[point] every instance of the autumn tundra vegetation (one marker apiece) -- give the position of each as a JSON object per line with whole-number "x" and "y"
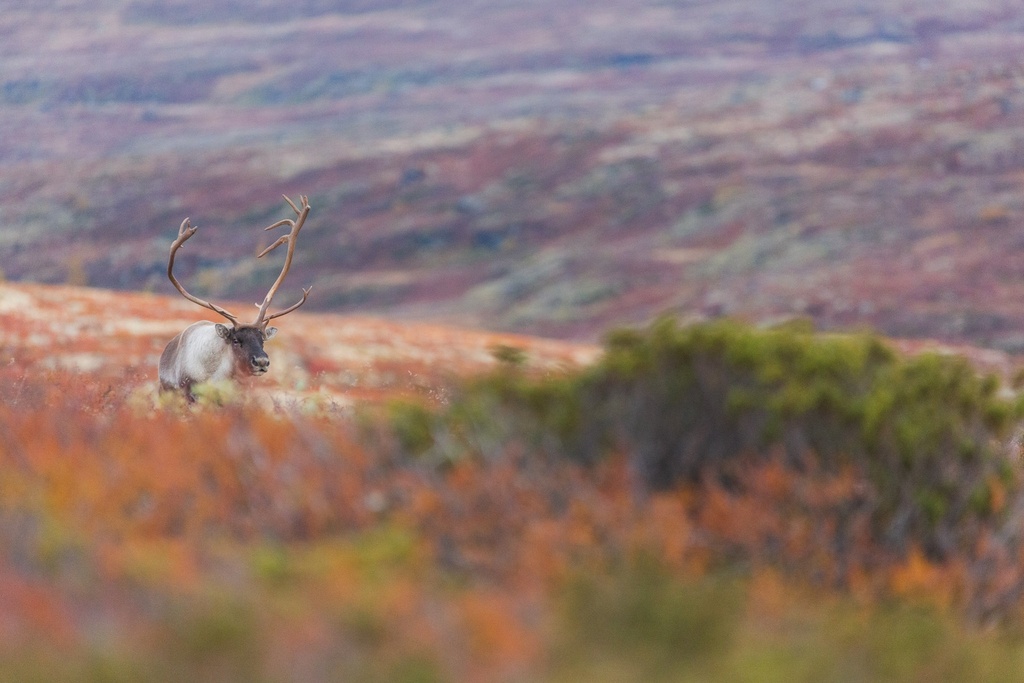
{"x": 689, "y": 502}
{"x": 727, "y": 500}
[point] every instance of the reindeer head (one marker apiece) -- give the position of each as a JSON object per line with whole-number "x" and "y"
{"x": 246, "y": 343}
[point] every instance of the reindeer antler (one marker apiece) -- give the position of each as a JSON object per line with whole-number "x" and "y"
{"x": 186, "y": 231}
{"x": 300, "y": 212}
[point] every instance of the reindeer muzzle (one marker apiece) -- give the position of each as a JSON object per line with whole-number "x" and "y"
{"x": 260, "y": 364}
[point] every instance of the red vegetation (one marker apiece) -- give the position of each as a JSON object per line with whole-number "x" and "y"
{"x": 277, "y": 539}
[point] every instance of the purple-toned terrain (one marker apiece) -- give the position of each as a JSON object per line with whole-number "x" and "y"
{"x": 550, "y": 167}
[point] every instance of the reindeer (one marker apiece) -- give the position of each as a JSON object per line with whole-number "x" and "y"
{"x": 207, "y": 351}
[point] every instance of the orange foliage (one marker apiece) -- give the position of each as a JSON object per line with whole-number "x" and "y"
{"x": 500, "y": 633}
{"x": 29, "y": 609}
{"x": 110, "y": 511}
{"x": 918, "y": 578}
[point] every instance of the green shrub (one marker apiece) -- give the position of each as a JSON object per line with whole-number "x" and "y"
{"x": 412, "y": 424}
{"x": 639, "y": 625}
{"x": 928, "y": 432}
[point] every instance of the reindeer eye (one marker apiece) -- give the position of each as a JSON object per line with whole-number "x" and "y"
{"x": 236, "y": 342}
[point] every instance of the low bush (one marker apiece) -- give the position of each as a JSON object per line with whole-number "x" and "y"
{"x": 928, "y": 433}
{"x": 644, "y": 626}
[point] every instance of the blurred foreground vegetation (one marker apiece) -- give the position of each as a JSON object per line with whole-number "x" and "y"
{"x": 704, "y": 503}
{"x": 930, "y": 439}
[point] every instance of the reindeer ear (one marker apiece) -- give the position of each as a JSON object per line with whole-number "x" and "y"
{"x": 222, "y": 330}
{"x": 269, "y": 332}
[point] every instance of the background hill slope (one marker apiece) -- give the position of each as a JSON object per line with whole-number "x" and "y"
{"x": 533, "y": 166}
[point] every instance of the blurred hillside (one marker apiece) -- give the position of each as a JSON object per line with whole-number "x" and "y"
{"x": 542, "y": 167}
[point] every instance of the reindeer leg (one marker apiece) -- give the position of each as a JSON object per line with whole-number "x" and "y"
{"x": 186, "y": 389}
